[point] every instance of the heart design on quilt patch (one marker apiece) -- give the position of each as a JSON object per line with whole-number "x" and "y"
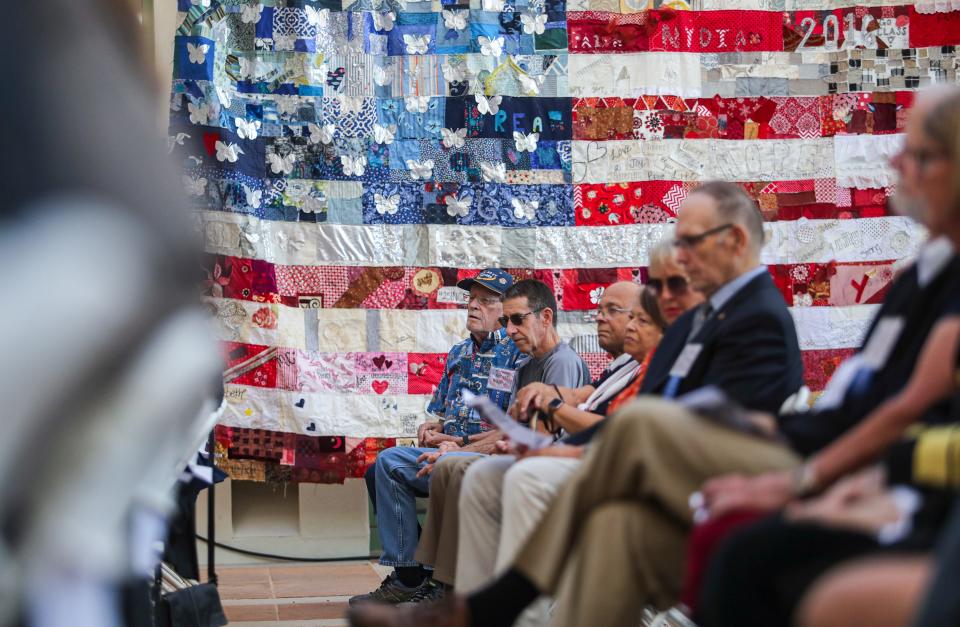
{"x": 379, "y": 386}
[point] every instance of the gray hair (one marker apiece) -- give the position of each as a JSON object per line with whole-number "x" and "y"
{"x": 663, "y": 252}
{"x": 736, "y": 207}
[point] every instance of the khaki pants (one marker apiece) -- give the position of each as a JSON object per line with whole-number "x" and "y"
{"x": 438, "y": 538}
{"x": 502, "y": 502}
{"x": 634, "y": 486}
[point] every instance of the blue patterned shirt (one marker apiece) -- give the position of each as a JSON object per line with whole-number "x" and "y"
{"x": 468, "y": 366}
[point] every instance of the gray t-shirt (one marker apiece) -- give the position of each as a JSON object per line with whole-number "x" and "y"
{"x": 562, "y": 367}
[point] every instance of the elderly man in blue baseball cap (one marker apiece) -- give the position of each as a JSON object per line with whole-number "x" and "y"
{"x": 484, "y": 363}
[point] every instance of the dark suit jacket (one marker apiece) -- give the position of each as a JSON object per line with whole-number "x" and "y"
{"x": 921, "y": 308}
{"x": 750, "y": 350}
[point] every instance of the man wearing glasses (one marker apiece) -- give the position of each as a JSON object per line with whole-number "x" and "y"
{"x": 530, "y": 320}
{"x": 467, "y": 541}
{"x": 620, "y": 522}
{"x": 484, "y": 363}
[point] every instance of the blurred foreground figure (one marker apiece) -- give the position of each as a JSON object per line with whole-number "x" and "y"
{"x": 108, "y": 359}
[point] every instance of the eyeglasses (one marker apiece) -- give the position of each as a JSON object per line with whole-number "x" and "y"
{"x": 516, "y": 319}
{"x": 689, "y": 241}
{"x": 610, "y": 310}
{"x": 676, "y": 284}
{"x": 484, "y": 300}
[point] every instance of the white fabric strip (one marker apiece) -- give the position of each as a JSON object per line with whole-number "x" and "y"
{"x": 820, "y": 328}
{"x": 351, "y": 415}
{"x": 937, "y": 6}
{"x": 863, "y": 161}
{"x": 623, "y": 161}
{"x": 636, "y": 74}
{"x": 436, "y": 330}
{"x": 800, "y": 241}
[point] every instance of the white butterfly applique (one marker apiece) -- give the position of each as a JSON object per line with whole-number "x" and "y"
{"x": 321, "y": 134}
{"x": 199, "y": 113}
{"x": 223, "y": 96}
{"x": 453, "y": 139}
{"x": 490, "y": 47}
{"x": 315, "y": 16}
{"x": 387, "y": 204}
{"x": 248, "y": 68}
{"x": 455, "y": 20}
{"x": 420, "y": 170}
{"x": 525, "y": 210}
{"x": 287, "y": 105}
{"x": 176, "y": 140}
{"x": 351, "y": 104}
{"x": 488, "y": 105}
{"x": 453, "y": 73}
{"x": 525, "y": 143}
{"x": 530, "y": 84}
{"x": 195, "y": 186}
{"x": 534, "y": 24}
{"x": 493, "y": 171}
{"x": 227, "y": 152}
{"x": 353, "y": 166}
{"x": 297, "y": 190}
{"x": 417, "y": 104}
{"x": 416, "y": 44}
{"x": 250, "y": 13}
{"x": 384, "y": 21}
{"x": 312, "y": 204}
{"x": 247, "y": 129}
{"x": 381, "y": 77}
{"x": 384, "y": 134}
{"x": 281, "y": 165}
{"x": 458, "y": 206}
{"x": 254, "y": 196}
{"x": 198, "y": 53}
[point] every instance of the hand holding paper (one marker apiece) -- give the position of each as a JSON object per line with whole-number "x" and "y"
{"x": 517, "y": 433}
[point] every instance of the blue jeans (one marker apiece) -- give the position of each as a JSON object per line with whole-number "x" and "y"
{"x": 398, "y": 487}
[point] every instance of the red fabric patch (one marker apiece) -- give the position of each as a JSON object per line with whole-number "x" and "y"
{"x": 934, "y": 29}
{"x": 631, "y": 203}
{"x": 210, "y": 142}
{"x": 819, "y": 365}
{"x": 675, "y": 31}
{"x": 426, "y": 371}
{"x": 703, "y": 542}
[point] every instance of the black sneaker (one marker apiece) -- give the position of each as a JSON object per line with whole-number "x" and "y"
{"x": 429, "y": 591}
{"x": 391, "y": 591}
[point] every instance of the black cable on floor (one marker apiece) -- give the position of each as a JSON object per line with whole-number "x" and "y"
{"x": 358, "y": 558}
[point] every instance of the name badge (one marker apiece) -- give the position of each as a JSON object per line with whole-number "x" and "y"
{"x": 501, "y": 379}
{"x": 681, "y": 367}
{"x": 881, "y": 342}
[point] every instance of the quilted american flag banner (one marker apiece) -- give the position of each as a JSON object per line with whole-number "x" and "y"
{"x": 351, "y": 160}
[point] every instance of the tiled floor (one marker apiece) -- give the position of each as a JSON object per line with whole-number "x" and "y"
{"x": 293, "y": 595}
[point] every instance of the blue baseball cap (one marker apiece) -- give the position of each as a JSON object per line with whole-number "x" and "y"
{"x": 494, "y": 279}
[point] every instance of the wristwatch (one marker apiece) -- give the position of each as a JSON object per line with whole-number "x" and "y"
{"x": 465, "y": 440}
{"x": 554, "y": 405}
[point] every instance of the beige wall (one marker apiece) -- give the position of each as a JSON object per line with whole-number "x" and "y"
{"x": 160, "y": 23}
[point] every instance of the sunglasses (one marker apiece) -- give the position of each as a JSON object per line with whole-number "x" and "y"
{"x": 516, "y": 319}
{"x": 676, "y": 284}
